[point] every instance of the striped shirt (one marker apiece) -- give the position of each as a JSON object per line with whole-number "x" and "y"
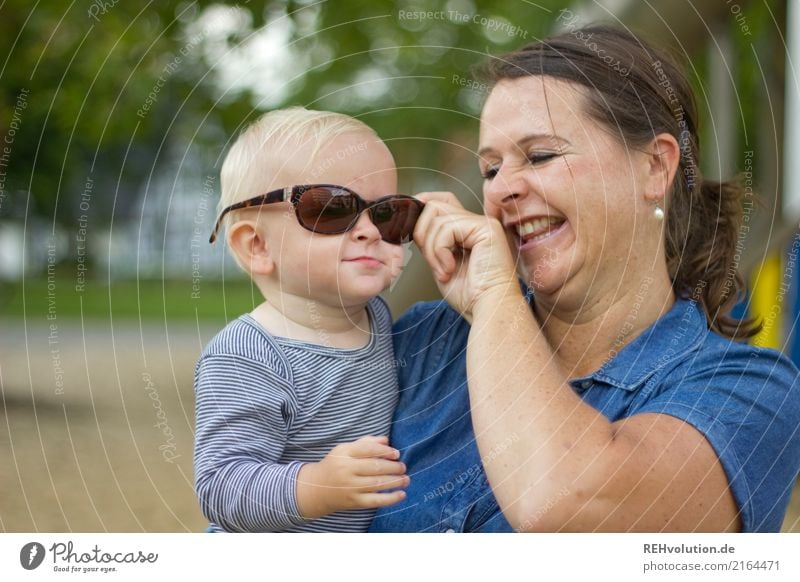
{"x": 266, "y": 405}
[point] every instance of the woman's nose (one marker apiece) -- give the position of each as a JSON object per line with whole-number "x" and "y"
{"x": 505, "y": 189}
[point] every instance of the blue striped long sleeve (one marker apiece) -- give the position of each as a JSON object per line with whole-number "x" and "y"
{"x": 265, "y": 405}
{"x": 243, "y": 414}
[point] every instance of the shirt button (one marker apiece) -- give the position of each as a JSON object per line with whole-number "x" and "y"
{"x": 586, "y": 384}
{"x": 450, "y": 530}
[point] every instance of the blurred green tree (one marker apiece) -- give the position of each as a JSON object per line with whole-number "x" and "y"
{"x": 101, "y": 90}
{"x": 83, "y": 70}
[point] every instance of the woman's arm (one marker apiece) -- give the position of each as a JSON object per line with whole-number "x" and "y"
{"x": 567, "y": 468}
{"x": 570, "y": 469}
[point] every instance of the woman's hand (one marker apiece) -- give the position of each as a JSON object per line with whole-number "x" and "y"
{"x": 468, "y": 253}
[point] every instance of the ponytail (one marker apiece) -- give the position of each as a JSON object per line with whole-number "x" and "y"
{"x": 704, "y": 243}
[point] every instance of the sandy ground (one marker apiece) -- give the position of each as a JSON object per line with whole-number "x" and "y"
{"x": 96, "y": 428}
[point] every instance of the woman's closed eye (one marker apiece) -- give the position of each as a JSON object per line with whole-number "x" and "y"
{"x": 533, "y": 159}
{"x": 541, "y": 157}
{"x": 490, "y": 171}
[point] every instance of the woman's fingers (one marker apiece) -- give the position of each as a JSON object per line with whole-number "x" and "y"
{"x": 446, "y": 197}
{"x": 467, "y": 252}
{"x": 423, "y": 226}
{"x": 434, "y": 238}
{"x": 450, "y": 238}
{"x": 443, "y": 245}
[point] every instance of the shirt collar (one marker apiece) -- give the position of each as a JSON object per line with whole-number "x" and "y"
{"x": 669, "y": 338}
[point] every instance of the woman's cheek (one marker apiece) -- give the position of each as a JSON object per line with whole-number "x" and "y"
{"x": 490, "y": 209}
{"x": 551, "y": 269}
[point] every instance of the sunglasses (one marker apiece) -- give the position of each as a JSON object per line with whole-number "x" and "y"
{"x": 329, "y": 209}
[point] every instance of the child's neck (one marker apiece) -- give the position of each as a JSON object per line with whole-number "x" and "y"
{"x": 303, "y": 319}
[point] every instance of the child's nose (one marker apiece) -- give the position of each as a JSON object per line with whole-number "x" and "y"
{"x": 365, "y": 229}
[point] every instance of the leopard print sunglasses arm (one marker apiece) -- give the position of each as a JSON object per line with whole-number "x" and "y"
{"x": 269, "y": 198}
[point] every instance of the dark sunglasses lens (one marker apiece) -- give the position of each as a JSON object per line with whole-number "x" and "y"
{"x": 396, "y": 219}
{"x": 326, "y": 210}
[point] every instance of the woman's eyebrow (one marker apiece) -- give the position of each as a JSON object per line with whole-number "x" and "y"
{"x": 526, "y": 140}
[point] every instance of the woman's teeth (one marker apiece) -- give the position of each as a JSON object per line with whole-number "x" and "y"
{"x": 536, "y": 225}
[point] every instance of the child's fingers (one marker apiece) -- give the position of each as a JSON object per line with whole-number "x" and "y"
{"x": 367, "y": 447}
{"x": 380, "y": 499}
{"x": 388, "y": 452}
{"x": 382, "y": 483}
{"x": 376, "y": 466}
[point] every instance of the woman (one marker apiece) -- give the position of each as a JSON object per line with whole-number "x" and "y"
{"x": 608, "y": 391}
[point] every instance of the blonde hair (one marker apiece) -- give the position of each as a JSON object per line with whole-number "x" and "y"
{"x": 250, "y": 160}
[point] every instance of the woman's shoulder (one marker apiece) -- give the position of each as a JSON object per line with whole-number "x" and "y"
{"x": 717, "y": 352}
{"x": 681, "y": 350}
{"x": 745, "y": 400}
{"x": 734, "y": 378}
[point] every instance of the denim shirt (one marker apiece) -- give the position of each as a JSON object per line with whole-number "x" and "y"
{"x": 744, "y": 399}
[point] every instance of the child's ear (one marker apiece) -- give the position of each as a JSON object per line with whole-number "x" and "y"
{"x": 251, "y": 246}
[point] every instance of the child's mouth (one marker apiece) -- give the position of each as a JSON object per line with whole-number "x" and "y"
{"x": 365, "y": 261}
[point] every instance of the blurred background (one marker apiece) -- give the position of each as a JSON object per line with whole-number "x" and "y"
{"x": 114, "y": 119}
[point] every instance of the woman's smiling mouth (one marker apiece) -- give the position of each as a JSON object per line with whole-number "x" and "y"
{"x": 533, "y": 231}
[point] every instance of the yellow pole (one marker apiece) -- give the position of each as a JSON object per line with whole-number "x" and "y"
{"x": 767, "y": 301}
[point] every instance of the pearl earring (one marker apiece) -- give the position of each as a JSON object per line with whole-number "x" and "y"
{"x": 658, "y": 212}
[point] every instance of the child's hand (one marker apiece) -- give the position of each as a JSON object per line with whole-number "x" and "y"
{"x": 350, "y": 477}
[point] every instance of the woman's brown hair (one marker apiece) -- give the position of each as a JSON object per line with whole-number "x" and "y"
{"x": 638, "y": 91}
